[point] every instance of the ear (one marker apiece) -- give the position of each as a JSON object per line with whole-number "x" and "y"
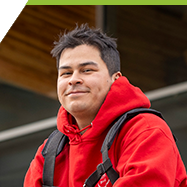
{"x": 116, "y": 75}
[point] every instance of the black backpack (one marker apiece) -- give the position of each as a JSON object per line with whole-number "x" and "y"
{"x": 57, "y": 141}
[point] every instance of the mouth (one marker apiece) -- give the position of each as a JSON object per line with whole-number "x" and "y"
{"x": 76, "y": 93}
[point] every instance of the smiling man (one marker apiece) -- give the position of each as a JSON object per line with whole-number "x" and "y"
{"x": 93, "y": 95}
{"x": 83, "y": 82}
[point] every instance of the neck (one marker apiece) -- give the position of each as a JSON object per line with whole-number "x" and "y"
{"x": 83, "y": 122}
{"x": 84, "y": 119}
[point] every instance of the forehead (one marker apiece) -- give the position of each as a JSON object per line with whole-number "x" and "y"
{"x": 79, "y": 54}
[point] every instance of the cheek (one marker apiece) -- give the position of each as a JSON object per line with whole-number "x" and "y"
{"x": 101, "y": 87}
{"x": 61, "y": 87}
{"x": 102, "y": 79}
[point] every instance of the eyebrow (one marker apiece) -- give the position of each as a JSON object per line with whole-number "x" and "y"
{"x": 80, "y": 65}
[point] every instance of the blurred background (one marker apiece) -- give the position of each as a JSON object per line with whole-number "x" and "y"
{"x": 152, "y": 41}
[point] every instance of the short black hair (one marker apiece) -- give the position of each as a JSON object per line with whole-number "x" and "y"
{"x": 92, "y": 37}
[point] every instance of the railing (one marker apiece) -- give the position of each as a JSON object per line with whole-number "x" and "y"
{"x": 51, "y": 122}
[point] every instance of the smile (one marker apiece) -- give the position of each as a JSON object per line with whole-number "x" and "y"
{"x": 76, "y": 93}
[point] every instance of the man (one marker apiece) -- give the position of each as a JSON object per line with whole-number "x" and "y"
{"x": 93, "y": 94}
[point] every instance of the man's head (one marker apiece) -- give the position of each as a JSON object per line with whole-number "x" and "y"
{"x": 92, "y": 37}
{"x": 83, "y": 77}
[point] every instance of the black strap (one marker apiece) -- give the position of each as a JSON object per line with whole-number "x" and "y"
{"x": 57, "y": 140}
{"x": 50, "y": 151}
{"x": 106, "y": 166}
{"x": 127, "y": 116}
{"x": 102, "y": 168}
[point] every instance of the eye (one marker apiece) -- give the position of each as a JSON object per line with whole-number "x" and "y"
{"x": 87, "y": 70}
{"x": 65, "y": 73}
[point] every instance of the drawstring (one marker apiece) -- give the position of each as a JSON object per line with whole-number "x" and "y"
{"x": 85, "y": 128}
{"x": 74, "y": 133}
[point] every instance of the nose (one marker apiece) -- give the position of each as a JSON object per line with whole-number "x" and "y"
{"x": 75, "y": 79}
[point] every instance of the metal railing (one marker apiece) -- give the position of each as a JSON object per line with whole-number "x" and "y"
{"x": 51, "y": 122}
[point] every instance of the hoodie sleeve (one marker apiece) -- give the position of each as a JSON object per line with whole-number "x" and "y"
{"x": 149, "y": 156}
{"x": 33, "y": 177}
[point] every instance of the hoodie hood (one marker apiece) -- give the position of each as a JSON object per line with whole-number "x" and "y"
{"x": 121, "y": 98}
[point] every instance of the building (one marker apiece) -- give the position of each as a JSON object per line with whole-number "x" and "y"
{"x": 152, "y": 42}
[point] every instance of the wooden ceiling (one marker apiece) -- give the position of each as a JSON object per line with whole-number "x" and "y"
{"x": 149, "y": 38}
{"x": 25, "y": 59}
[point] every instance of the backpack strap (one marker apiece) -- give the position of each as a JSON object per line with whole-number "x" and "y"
{"x": 52, "y": 148}
{"x": 106, "y": 166}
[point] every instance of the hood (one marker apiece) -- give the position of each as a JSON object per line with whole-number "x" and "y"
{"x": 121, "y": 98}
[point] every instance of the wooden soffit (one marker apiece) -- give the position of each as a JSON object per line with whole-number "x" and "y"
{"x": 25, "y": 59}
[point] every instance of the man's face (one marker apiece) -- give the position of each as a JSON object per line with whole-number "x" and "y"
{"x": 83, "y": 80}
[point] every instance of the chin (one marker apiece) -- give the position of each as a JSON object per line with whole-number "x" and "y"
{"x": 78, "y": 108}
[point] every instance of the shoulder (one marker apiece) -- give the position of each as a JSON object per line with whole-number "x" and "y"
{"x": 145, "y": 127}
{"x": 35, "y": 171}
{"x": 38, "y": 160}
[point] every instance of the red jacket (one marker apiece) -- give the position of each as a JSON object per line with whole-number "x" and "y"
{"x": 144, "y": 153}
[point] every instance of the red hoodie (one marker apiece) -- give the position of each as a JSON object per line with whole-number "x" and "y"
{"x": 144, "y": 153}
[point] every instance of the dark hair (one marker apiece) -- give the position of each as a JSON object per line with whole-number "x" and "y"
{"x": 94, "y": 37}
